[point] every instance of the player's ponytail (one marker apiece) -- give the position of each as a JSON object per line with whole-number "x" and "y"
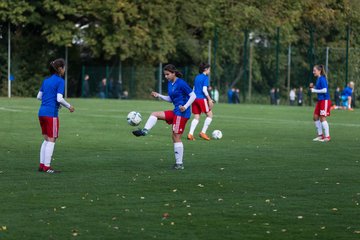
{"x": 171, "y": 68}
{"x": 321, "y": 68}
{"x": 55, "y": 65}
{"x": 203, "y": 67}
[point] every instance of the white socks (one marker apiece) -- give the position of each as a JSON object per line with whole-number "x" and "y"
{"x": 49, "y": 149}
{"x": 150, "y": 122}
{"x": 179, "y": 152}
{"x": 206, "y": 124}
{"x": 194, "y": 123}
{"x": 325, "y": 125}
{"x": 42, "y": 152}
{"x": 322, "y": 125}
{"x": 318, "y": 127}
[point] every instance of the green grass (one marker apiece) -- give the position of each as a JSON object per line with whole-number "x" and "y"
{"x": 265, "y": 179}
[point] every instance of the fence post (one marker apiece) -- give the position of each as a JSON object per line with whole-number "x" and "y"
{"x": 250, "y": 68}
{"x": 289, "y": 70}
{"x": 327, "y": 60}
{"x": 209, "y": 60}
{"x": 311, "y": 61}
{"x": 277, "y": 55}
{"x": 82, "y": 80}
{"x": 9, "y": 60}
{"x": 160, "y": 79}
{"x": 246, "y": 38}
{"x": 107, "y": 81}
{"x": 347, "y": 52}
{"x": 215, "y": 49}
{"x": 66, "y": 71}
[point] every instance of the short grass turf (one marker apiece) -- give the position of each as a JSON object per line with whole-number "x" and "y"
{"x": 265, "y": 179}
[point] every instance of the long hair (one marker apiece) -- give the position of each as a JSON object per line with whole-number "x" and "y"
{"x": 171, "y": 68}
{"x": 55, "y": 65}
{"x": 203, "y": 67}
{"x": 321, "y": 68}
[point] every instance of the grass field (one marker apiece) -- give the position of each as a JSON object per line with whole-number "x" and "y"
{"x": 265, "y": 179}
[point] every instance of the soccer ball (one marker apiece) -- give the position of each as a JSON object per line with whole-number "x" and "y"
{"x": 216, "y": 134}
{"x": 134, "y": 118}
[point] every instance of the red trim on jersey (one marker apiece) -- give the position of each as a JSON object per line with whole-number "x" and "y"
{"x": 49, "y": 126}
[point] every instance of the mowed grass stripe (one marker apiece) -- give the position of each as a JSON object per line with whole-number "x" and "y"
{"x": 265, "y": 179}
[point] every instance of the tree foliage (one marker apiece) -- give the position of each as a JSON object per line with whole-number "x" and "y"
{"x": 148, "y": 32}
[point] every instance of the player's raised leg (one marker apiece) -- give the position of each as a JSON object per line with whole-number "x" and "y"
{"x": 150, "y": 123}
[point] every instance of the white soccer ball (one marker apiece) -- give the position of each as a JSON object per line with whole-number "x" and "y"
{"x": 216, "y": 134}
{"x": 134, "y": 118}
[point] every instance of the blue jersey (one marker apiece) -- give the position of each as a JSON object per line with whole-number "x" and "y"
{"x": 320, "y": 84}
{"x": 201, "y": 80}
{"x": 347, "y": 92}
{"x": 50, "y": 88}
{"x": 179, "y": 93}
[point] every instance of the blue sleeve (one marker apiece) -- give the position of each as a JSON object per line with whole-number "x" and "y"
{"x": 41, "y": 88}
{"x": 61, "y": 88}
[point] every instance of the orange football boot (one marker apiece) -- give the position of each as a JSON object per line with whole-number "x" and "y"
{"x": 190, "y": 137}
{"x": 204, "y": 136}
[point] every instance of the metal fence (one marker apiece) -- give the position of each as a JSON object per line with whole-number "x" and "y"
{"x": 131, "y": 81}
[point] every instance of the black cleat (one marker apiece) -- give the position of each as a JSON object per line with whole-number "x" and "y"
{"x": 52, "y": 171}
{"x": 139, "y": 132}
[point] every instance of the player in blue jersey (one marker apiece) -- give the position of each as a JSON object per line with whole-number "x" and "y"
{"x": 51, "y": 95}
{"x": 346, "y": 97}
{"x": 322, "y": 109}
{"x": 182, "y": 96}
{"x": 203, "y": 102}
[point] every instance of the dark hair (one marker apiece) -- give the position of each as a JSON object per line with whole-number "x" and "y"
{"x": 203, "y": 67}
{"x": 171, "y": 68}
{"x": 55, "y": 65}
{"x": 321, "y": 68}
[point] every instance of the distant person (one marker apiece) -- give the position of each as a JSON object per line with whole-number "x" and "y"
{"x": 322, "y": 108}
{"x": 118, "y": 89}
{"x": 202, "y": 104}
{"x": 237, "y": 96}
{"x": 110, "y": 88}
{"x": 346, "y": 98}
{"x": 277, "y": 96}
{"x": 86, "y": 86}
{"x": 230, "y": 94}
{"x": 300, "y": 96}
{"x": 215, "y": 94}
{"x": 102, "y": 88}
{"x": 51, "y": 95}
{"x": 182, "y": 96}
{"x": 125, "y": 95}
{"x": 292, "y": 96}
{"x": 272, "y": 96}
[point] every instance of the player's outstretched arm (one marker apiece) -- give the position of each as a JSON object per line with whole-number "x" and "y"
{"x": 163, "y": 97}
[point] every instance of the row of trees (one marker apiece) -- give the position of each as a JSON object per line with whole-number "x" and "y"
{"x": 149, "y": 32}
